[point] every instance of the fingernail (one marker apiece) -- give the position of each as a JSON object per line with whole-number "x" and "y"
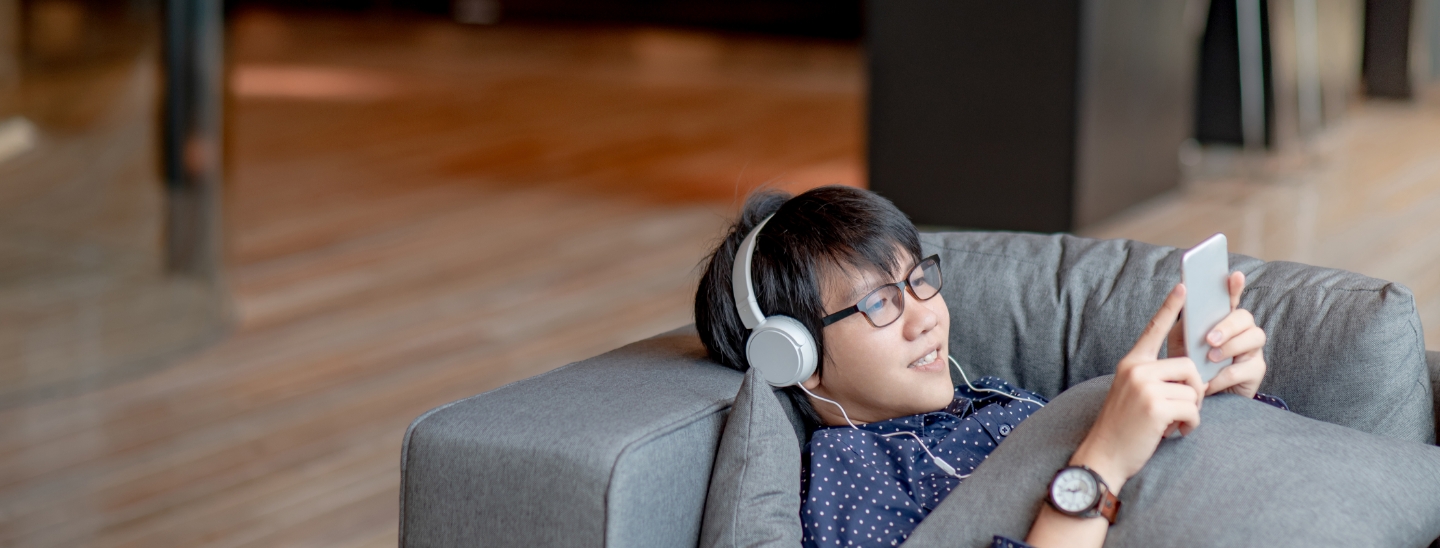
{"x": 1214, "y": 336}
{"x": 1214, "y": 354}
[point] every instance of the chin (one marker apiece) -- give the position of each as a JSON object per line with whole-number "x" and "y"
{"x": 937, "y": 396}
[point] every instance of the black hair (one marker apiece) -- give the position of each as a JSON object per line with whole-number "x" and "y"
{"x": 824, "y": 231}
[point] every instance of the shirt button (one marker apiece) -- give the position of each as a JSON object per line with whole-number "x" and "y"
{"x": 1004, "y": 430}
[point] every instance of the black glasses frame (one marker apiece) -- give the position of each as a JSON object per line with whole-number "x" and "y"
{"x": 903, "y": 285}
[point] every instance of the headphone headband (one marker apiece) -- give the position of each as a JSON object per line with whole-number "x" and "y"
{"x": 779, "y": 346}
{"x": 740, "y": 283}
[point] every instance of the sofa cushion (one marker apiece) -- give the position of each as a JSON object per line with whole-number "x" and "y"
{"x": 1051, "y": 311}
{"x": 1249, "y": 475}
{"x": 754, "y": 496}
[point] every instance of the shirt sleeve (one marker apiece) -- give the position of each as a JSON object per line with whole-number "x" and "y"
{"x": 1271, "y": 400}
{"x": 1006, "y": 542}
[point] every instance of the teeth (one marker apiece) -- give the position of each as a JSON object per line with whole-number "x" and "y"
{"x": 926, "y": 359}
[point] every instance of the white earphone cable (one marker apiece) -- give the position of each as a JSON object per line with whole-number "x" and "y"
{"x": 1002, "y": 393}
{"x": 831, "y": 402}
{"x": 939, "y": 462}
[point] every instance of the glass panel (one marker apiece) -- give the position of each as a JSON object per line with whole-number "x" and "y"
{"x": 89, "y": 290}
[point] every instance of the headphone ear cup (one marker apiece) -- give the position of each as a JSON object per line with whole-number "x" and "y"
{"x": 783, "y": 350}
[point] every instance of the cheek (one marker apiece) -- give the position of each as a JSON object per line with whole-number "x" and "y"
{"x": 860, "y": 362}
{"x": 866, "y": 365}
{"x": 941, "y": 310}
{"x": 851, "y": 350}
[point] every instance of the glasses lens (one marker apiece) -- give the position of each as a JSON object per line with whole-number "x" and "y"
{"x": 882, "y": 306}
{"x": 925, "y": 279}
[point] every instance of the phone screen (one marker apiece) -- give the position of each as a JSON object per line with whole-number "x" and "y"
{"x": 1204, "y": 270}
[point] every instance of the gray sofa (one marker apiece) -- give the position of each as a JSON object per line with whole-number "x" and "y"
{"x": 617, "y": 450}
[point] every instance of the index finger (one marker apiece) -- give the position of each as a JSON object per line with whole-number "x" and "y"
{"x": 1159, "y": 327}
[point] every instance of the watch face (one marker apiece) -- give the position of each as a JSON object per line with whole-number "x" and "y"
{"x": 1074, "y": 490}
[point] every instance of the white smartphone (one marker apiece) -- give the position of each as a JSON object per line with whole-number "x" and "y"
{"x": 1205, "y": 270}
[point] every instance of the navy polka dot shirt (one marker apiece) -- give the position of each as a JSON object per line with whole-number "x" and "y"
{"x": 865, "y": 489}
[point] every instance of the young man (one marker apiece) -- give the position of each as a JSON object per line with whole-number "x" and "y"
{"x": 895, "y": 435}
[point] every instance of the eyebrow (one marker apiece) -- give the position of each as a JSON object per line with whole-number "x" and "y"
{"x": 858, "y": 292}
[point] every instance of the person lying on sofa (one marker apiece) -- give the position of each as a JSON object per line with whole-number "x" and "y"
{"x": 896, "y": 435}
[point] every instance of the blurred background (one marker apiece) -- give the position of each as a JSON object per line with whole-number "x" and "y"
{"x": 243, "y": 244}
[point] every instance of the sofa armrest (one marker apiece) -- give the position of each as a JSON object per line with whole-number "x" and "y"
{"x": 615, "y": 450}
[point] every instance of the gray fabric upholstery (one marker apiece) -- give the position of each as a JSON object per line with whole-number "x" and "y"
{"x": 755, "y": 485}
{"x": 1220, "y": 486}
{"x": 572, "y": 457}
{"x": 612, "y": 451}
{"x": 1051, "y": 311}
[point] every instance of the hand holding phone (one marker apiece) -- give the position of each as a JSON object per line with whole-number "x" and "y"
{"x": 1205, "y": 271}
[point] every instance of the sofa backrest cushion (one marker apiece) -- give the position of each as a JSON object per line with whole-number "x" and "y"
{"x": 1051, "y": 311}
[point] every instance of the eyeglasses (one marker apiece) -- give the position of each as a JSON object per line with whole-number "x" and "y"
{"x": 885, "y": 305}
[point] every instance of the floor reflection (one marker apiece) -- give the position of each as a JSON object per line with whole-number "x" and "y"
{"x": 84, "y": 297}
{"x": 1364, "y": 197}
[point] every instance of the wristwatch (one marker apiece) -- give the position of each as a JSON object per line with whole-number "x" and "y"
{"x": 1078, "y": 491}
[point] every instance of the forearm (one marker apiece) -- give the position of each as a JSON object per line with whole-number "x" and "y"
{"x": 1053, "y": 529}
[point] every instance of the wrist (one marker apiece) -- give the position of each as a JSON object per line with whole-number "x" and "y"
{"x": 1088, "y": 455}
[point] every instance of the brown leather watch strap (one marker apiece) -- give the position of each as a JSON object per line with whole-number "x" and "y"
{"x": 1109, "y": 505}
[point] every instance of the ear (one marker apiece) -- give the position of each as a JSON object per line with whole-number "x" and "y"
{"x": 812, "y": 382}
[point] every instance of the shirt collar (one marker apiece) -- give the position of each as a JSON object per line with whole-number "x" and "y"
{"x": 921, "y": 422}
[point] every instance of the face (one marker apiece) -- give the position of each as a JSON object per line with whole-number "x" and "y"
{"x": 881, "y": 373}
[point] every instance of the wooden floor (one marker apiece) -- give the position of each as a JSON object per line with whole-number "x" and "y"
{"x": 420, "y": 212}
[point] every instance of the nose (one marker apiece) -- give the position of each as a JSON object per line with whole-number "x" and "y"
{"x": 918, "y": 318}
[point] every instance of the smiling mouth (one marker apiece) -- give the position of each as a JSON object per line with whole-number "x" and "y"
{"x": 926, "y": 359}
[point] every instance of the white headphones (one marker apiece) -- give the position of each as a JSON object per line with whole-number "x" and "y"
{"x": 779, "y": 346}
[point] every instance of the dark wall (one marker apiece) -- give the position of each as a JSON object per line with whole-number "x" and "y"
{"x": 818, "y": 18}
{"x": 1385, "y": 66}
{"x": 1137, "y": 92}
{"x": 824, "y": 18}
{"x": 972, "y": 111}
{"x": 1217, "y": 94}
